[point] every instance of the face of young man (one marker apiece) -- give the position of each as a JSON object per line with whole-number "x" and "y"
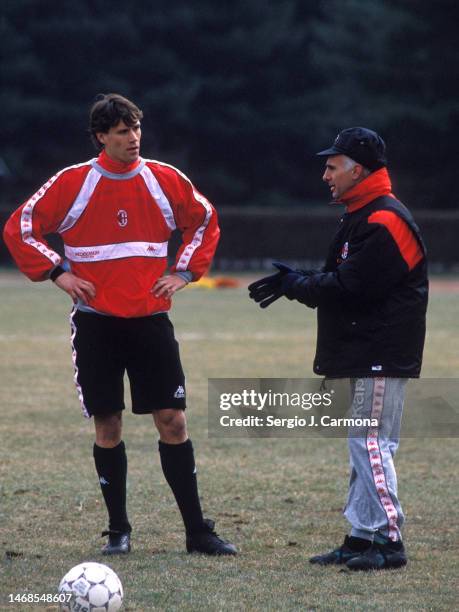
{"x": 340, "y": 175}
{"x": 122, "y": 142}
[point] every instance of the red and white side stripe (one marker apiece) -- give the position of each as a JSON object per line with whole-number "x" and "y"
{"x": 376, "y": 462}
{"x": 190, "y": 248}
{"x": 27, "y": 214}
{"x": 75, "y": 367}
{"x": 120, "y": 250}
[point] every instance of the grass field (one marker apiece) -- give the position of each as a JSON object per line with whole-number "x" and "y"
{"x": 278, "y": 500}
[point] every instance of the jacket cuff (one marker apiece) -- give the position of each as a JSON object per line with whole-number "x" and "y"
{"x": 186, "y": 275}
{"x": 56, "y": 272}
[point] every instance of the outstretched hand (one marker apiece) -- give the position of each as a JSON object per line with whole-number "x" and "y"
{"x": 267, "y": 290}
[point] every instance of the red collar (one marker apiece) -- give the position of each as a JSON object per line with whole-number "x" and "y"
{"x": 374, "y": 186}
{"x": 115, "y": 166}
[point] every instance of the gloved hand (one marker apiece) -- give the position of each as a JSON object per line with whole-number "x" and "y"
{"x": 267, "y": 290}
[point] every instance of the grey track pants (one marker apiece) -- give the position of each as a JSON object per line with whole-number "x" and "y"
{"x": 372, "y": 503}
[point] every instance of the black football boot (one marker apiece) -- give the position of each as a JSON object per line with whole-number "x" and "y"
{"x": 119, "y": 543}
{"x": 208, "y": 542}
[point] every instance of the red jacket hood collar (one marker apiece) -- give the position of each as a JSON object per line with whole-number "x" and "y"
{"x": 115, "y": 166}
{"x": 374, "y": 186}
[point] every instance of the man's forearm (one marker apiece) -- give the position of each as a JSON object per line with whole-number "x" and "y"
{"x": 315, "y": 289}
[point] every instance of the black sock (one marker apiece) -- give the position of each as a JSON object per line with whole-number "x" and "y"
{"x": 177, "y": 461}
{"x": 111, "y": 466}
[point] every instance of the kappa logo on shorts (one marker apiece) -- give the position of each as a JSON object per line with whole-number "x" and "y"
{"x": 122, "y": 217}
{"x": 345, "y": 250}
{"x": 180, "y": 393}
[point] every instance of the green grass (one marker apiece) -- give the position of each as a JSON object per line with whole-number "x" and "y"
{"x": 278, "y": 500}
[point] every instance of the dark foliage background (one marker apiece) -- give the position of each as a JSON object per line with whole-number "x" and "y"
{"x": 239, "y": 94}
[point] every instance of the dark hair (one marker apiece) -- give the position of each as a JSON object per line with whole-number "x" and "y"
{"x": 107, "y": 111}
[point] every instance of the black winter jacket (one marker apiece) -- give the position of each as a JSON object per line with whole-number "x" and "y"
{"x": 371, "y": 297}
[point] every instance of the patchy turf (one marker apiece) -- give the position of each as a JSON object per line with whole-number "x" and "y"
{"x": 279, "y": 500}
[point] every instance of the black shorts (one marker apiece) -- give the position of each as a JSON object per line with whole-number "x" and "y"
{"x": 104, "y": 348}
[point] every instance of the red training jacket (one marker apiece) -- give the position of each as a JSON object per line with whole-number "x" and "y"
{"x": 115, "y": 221}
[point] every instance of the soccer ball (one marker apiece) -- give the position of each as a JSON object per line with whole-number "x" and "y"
{"x": 93, "y": 587}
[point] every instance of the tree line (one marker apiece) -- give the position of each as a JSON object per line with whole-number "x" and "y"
{"x": 240, "y": 94}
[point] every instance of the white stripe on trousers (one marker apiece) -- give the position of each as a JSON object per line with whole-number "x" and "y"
{"x": 75, "y": 367}
{"x": 376, "y": 462}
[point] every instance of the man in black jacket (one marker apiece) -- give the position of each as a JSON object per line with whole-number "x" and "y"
{"x": 371, "y": 299}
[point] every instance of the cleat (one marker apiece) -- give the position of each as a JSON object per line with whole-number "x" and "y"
{"x": 382, "y": 555}
{"x": 208, "y": 542}
{"x": 343, "y": 554}
{"x": 119, "y": 543}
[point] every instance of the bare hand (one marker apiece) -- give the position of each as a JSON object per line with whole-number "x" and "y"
{"x": 166, "y": 286}
{"x": 77, "y": 288}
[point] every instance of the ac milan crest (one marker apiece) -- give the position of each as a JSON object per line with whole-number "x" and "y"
{"x": 122, "y": 218}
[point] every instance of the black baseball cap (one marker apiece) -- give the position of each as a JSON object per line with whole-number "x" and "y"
{"x": 360, "y": 144}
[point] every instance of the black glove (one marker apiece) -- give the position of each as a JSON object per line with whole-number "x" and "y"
{"x": 267, "y": 290}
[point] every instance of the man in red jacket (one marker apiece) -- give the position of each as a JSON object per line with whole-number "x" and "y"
{"x": 115, "y": 215}
{"x": 371, "y": 300}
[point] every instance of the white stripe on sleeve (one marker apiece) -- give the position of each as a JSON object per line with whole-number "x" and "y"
{"x": 27, "y": 218}
{"x": 196, "y": 241}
